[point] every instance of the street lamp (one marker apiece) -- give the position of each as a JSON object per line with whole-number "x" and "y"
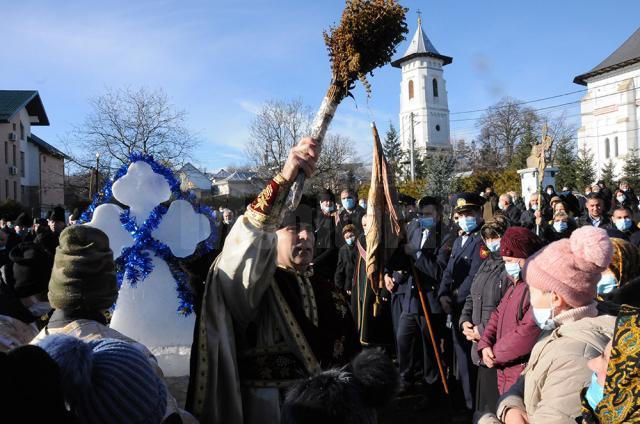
{"x": 97, "y": 172}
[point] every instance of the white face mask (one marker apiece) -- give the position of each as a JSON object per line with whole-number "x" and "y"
{"x": 544, "y": 317}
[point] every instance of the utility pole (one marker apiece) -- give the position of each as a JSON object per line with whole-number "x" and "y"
{"x": 412, "y": 151}
{"x": 97, "y": 173}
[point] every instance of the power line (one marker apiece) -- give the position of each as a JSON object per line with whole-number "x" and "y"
{"x": 539, "y": 100}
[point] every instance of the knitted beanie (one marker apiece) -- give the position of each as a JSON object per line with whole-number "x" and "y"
{"x": 571, "y": 267}
{"x": 625, "y": 263}
{"x": 83, "y": 275}
{"x": 519, "y": 242}
{"x": 31, "y": 269}
{"x": 107, "y": 380}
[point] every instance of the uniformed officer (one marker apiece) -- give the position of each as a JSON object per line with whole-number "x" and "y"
{"x": 456, "y": 282}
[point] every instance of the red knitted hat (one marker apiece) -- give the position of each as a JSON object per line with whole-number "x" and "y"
{"x": 571, "y": 267}
{"x": 519, "y": 242}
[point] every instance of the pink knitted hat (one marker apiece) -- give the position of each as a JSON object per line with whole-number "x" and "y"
{"x": 571, "y": 267}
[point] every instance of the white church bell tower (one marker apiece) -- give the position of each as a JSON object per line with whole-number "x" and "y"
{"x": 424, "y": 107}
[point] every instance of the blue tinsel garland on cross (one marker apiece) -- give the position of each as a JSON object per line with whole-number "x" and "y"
{"x": 135, "y": 262}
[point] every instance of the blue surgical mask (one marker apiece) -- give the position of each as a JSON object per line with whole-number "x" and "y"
{"x": 363, "y": 205}
{"x": 623, "y": 224}
{"x": 607, "y": 283}
{"x": 595, "y": 392}
{"x": 560, "y": 226}
{"x": 493, "y": 246}
{"x": 350, "y": 240}
{"x": 349, "y": 203}
{"x": 427, "y": 222}
{"x": 621, "y": 198}
{"x": 328, "y": 209}
{"x": 534, "y": 207}
{"x": 513, "y": 269}
{"x": 467, "y": 223}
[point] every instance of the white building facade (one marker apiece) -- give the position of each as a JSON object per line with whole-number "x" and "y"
{"x": 424, "y": 107}
{"x": 610, "y": 111}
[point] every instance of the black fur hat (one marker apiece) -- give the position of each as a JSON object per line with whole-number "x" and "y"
{"x": 346, "y": 395}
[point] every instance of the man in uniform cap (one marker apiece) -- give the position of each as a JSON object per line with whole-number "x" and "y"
{"x": 22, "y": 226}
{"x": 266, "y": 320}
{"x": 466, "y": 257}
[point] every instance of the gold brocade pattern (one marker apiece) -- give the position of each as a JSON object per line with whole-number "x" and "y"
{"x": 621, "y": 401}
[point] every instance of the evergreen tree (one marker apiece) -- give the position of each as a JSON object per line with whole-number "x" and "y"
{"x": 631, "y": 169}
{"x": 565, "y": 160}
{"x": 585, "y": 172}
{"x": 438, "y": 171}
{"x": 392, "y": 150}
{"x": 523, "y": 149}
{"x": 608, "y": 174}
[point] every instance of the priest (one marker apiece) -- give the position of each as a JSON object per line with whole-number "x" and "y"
{"x": 267, "y": 320}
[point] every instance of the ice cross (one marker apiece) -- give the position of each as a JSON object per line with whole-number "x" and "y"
{"x": 147, "y": 312}
{"x": 181, "y": 228}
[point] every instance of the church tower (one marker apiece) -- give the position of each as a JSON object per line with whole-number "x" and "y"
{"x": 424, "y": 107}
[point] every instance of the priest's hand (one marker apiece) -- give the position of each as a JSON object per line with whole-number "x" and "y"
{"x": 301, "y": 157}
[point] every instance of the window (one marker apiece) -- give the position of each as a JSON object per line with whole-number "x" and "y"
{"x": 22, "y": 171}
{"x": 6, "y": 152}
{"x": 14, "y": 126}
{"x": 615, "y": 147}
{"x": 6, "y": 188}
{"x": 438, "y": 127}
{"x": 434, "y": 83}
{"x": 22, "y": 193}
{"x": 607, "y": 149}
{"x": 13, "y": 148}
{"x": 410, "y": 89}
{"x": 21, "y": 132}
{"x": 15, "y": 190}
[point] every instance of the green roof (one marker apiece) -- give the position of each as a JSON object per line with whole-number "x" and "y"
{"x": 43, "y": 145}
{"x": 12, "y": 101}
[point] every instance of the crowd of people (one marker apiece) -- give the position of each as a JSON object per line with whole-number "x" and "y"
{"x": 513, "y": 313}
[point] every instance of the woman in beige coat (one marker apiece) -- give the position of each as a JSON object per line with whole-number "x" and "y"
{"x": 562, "y": 279}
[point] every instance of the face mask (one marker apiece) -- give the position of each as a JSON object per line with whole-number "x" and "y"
{"x": 564, "y": 193}
{"x": 513, "y": 269}
{"x": 501, "y": 206}
{"x": 467, "y": 223}
{"x": 328, "y": 209}
{"x": 534, "y": 207}
{"x": 427, "y": 222}
{"x": 348, "y": 203}
{"x": 623, "y": 224}
{"x": 40, "y": 308}
{"x": 560, "y": 226}
{"x": 350, "y": 240}
{"x": 621, "y": 199}
{"x": 493, "y": 246}
{"x": 363, "y": 205}
{"x": 607, "y": 283}
{"x": 544, "y": 318}
{"x": 595, "y": 392}
{"x": 549, "y": 192}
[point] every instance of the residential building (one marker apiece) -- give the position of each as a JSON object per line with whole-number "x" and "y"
{"x": 31, "y": 170}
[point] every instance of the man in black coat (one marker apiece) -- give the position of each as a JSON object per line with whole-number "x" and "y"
{"x": 328, "y": 236}
{"x": 346, "y": 260}
{"x": 606, "y": 194}
{"x": 570, "y": 200}
{"x": 455, "y": 286}
{"x": 509, "y": 210}
{"x": 427, "y": 250}
{"x": 597, "y": 215}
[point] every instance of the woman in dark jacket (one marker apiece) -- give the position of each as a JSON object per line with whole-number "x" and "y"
{"x": 346, "y": 260}
{"x": 487, "y": 289}
{"x": 511, "y": 332}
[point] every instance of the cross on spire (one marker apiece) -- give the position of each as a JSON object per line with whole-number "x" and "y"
{"x": 419, "y": 17}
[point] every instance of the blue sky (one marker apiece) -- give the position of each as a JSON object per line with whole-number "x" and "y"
{"x": 220, "y": 60}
